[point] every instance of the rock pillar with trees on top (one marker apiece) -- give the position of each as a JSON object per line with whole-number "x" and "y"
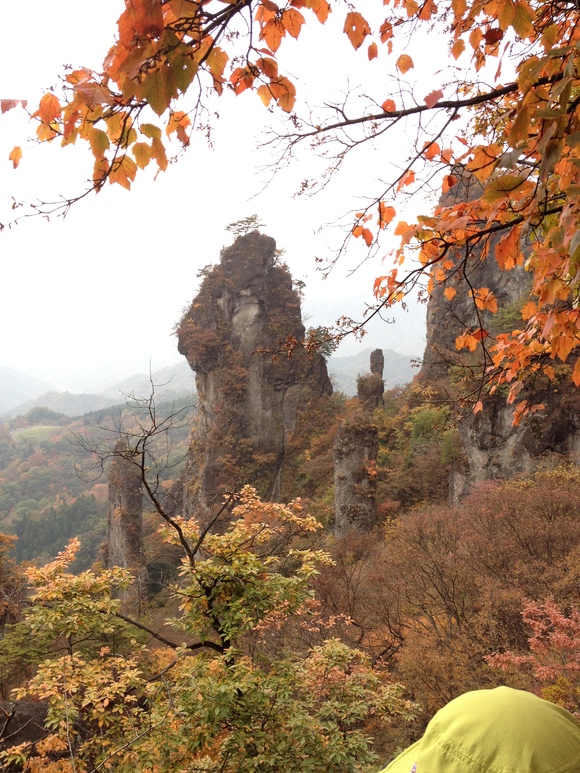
{"x": 237, "y": 336}
{"x": 355, "y": 454}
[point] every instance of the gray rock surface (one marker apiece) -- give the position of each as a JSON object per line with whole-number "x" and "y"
{"x": 250, "y": 385}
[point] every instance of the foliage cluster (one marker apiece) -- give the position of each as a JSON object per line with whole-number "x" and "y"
{"x": 235, "y": 695}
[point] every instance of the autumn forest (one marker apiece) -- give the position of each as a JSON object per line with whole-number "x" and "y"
{"x": 273, "y": 575}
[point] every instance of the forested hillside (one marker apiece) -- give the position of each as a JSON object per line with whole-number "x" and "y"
{"x": 399, "y": 619}
{"x": 50, "y": 488}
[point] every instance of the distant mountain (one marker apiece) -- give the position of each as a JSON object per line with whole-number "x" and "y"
{"x": 17, "y": 387}
{"x": 344, "y": 371}
{"x": 68, "y": 403}
{"x": 171, "y": 383}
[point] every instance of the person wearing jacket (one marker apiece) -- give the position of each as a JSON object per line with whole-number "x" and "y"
{"x": 495, "y": 731}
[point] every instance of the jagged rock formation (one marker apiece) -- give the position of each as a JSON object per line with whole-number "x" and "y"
{"x": 355, "y": 454}
{"x": 492, "y": 447}
{"x": 248, "y": 398}
{"x": 125, "y": 524}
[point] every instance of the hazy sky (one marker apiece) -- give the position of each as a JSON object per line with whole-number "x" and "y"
{"x": 96, "y": 296}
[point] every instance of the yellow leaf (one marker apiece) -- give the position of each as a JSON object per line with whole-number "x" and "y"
{"x": 158, "y": 153}
{"x": 15, "y": 156}
{"x": 142, "y": 153}
{"x": 404, "y": 63}
{"x": 216, "y": 62}
{"x": 265, "y": 94}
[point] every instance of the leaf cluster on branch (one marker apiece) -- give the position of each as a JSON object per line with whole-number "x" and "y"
{"x": 520, "y": 138}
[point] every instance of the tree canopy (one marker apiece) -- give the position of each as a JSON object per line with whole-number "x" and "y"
{"x": 518, "y": 135}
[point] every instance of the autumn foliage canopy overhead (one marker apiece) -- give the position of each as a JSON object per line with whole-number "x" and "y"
{"x": 518, "y": 134}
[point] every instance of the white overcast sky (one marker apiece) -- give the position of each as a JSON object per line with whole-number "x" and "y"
{"x": 96, "y": 296}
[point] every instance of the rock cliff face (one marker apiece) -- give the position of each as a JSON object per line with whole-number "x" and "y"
{"x": 249, "y": 390}
{"x": 125, "y": 525}
{"x": 355, "y": 454}
{"x": 492, "y": 447}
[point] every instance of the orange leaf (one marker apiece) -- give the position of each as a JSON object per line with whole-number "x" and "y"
{"x": 432, "y": 98}
{"x": 268, "y": 66}
{"x": 507, "y": 251}
{"x": 478, "y": 407}
{"x": 450, "y": 293}
{"x": 367, "y": 236}
{"x": 373, "y": 51}
{"x": 406, "y": 179}
{"x": 386, "y": 214}
{"x": 389, "y": 106}
{"x": 427, "y": 11}
{"x": 49, "y": 108}
{"x": 123, "y": 171}
{"x": 484, "y": 298}
{"x": 292, "y": 21}
{"x": 15, "y": 156}
{"x": 529, "y": 310}
{"x": 458, "y": 48}
{"x": 356, "y": 28}
{"x": 466, "y": 341}
{"x": 273, "y": 32}
{"x": 404, "y": 63}
{"x": 386, "y": 31}
{"x": 321, "y": 8}
{"x": 431, "y": 150}
{"x": 448, "y": 182}
{"x": 576, "y": 373}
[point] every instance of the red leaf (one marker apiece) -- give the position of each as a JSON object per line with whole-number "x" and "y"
{"x": 492, "y": 36}
{"x": 432, "y": 98}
